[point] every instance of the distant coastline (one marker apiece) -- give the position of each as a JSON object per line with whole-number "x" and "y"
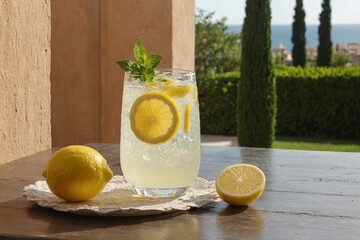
{"x": 341, "y": 33}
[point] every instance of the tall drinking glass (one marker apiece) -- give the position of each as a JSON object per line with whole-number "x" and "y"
{"x": 160, "y": 133}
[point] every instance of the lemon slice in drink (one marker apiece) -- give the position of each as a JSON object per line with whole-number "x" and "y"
{"x": 187, "y": 115}
{"x": 175, "y": 89}
{"x": 195, "y": 96}
{"x": 154, "y": 118}
{"x": 240, "y": 184}
{"x": 152, "y": 85}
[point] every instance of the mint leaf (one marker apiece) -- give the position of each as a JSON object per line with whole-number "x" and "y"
{"x": 125, "y": 64}
{"x": 144, "y": 70}
{"x": 135, "y": 69}
{"x": 139, "y": 51}
{"x": 149, "y": 74}
{"x": 152, "y": 61}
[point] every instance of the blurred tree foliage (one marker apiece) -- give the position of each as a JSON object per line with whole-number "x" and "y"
{"x": 298, "y": 35}
{"x": 278, "y": 61}
{"x": 256, "y": 99}
{"x": 324, "y": 31}
{"x": 216, "y": 49}
{"x": 340, "y": 59}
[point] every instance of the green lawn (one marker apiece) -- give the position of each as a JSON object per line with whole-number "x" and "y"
{"x": 283, "y": 142}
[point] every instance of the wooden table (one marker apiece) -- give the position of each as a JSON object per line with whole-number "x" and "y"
{"x": 308, "y": 195}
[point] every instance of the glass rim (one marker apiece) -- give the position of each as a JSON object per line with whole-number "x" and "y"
{"x": 183, "y": 72}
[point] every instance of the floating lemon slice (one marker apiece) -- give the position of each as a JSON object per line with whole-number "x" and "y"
{"x": 175, "y": 89}
{"x": 152, "y": 84}
{"x": 171, "y": 82}
{"x": 240, "y": 184}
{"x": 154, "y": 118}
{"x": 195, "y": 96}
{"x": 187, "y": 115}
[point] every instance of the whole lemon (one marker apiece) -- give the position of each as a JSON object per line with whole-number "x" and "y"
{"x": 77, "y": 173}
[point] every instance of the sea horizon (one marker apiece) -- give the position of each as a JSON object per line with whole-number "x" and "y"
{"x": 281, "y": 33}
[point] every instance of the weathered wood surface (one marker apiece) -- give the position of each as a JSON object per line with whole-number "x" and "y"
{"x": 308, "y": 195}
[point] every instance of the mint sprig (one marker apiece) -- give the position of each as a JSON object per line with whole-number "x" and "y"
{"x": 145, "y": 66}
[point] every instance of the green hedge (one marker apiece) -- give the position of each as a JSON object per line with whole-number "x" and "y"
{"x": 217, "y": 98}
{"x": 315, "y": 102}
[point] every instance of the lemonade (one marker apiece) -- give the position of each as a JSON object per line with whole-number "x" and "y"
{"x": 160, "y": 133}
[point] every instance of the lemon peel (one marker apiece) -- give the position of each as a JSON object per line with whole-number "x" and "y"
{"x": 77, "y": 173}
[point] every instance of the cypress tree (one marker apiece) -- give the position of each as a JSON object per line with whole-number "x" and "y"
{"x": 324, "y": 31}
{"x": 298, "y": 35}
{"x": 256, "y": 102}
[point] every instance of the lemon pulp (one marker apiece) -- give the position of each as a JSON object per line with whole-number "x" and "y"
{"x": 240, "y": 184}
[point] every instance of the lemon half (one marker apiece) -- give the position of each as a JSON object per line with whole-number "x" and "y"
{"x": 154, "y": 118}
{"x": 240, "y": 184}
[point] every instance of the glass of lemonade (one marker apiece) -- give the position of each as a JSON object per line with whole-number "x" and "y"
{"x": 160, "y": 133}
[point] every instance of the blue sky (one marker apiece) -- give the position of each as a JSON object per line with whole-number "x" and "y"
{"x": 343, "y": 11}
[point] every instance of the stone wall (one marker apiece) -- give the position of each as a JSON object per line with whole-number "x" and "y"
{"x": 24, "y": 78}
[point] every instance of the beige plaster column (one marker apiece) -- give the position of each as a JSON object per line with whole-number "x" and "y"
{"x": 166, "y": 27}
{"x": 183, "y": 34}
{"x": 75, "y": 71}
{"x": 24, "y": 78}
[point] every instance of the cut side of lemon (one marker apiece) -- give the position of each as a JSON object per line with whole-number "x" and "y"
{"x": 240, "y": 184}
{"x": 154, "y": 118}
{"x": 187, "y": 115}
{"x": 175, "y": 89}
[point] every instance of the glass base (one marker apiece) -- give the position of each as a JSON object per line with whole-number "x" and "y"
{"x": 160, "y": 192}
